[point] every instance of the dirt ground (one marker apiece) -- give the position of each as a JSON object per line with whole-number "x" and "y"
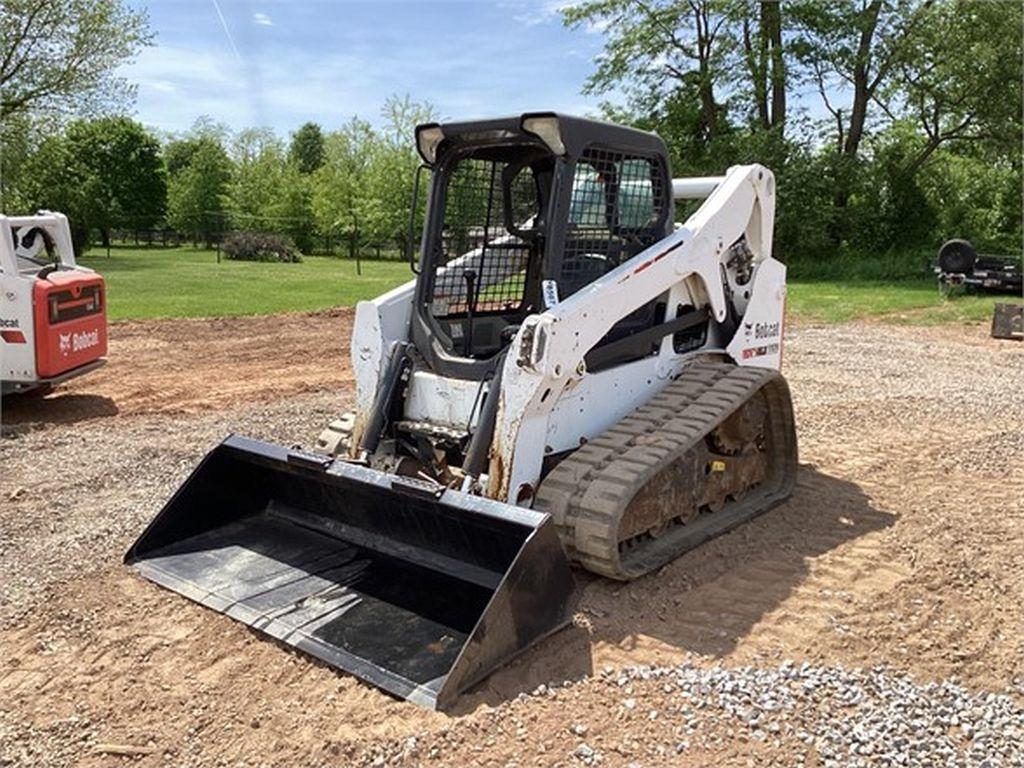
{"x": 187, "y": 366}
{"x": 900, "y": 547}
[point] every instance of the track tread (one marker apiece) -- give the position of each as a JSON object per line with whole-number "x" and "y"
{"x": 588, "y": 493}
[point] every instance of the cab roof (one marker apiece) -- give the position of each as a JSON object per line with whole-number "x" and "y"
{"x": 576, "y": 133}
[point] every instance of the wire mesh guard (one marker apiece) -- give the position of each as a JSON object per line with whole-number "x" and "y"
{"x": 614, "y": 213}
{"x": 489, "y": 204}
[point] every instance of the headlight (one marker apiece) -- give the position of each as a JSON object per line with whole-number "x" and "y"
{"x": 428, "y": 137}
{"x": 547, "y": 129}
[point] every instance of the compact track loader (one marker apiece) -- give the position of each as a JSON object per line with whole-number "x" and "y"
{"x": 572, "y": 377}
{"x": 53, "y": 311}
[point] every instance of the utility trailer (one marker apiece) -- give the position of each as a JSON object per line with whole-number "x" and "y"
{"x": 53, "y": 312}
{"x": 959, "y": 264}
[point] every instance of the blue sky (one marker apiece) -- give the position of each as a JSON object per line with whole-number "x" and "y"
{"x": 278, "y": 63}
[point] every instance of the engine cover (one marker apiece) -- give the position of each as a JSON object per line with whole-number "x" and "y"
{"x": 70, "y": 321}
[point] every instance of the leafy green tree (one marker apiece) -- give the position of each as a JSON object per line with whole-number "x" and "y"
{"x": 391, "y": 166}
{"x": 853, "y": 48}
{"x": 55, "y": 178}
{"x": 268, "y": 191}
{"x": 960, "y": 78}
{"x": 364, "y": 187}
{"x": 258, "y": 157}
{"x": 178, "y": 151}
{"x": 103, "y": 173}
{"x": 290, "y": 210}
{"x": 17, "y": 140}
{"x": 307, "y": 148}
{"x": 197, "y": 191}
{"x": 63, "y": 55}
{"x": 661, "y": 46}
{"x": 339, "y": 184}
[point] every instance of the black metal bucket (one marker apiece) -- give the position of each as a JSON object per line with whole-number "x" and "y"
{"x": 421, "y": 593}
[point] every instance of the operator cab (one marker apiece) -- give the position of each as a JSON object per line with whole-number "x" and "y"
{"x": 522, "y": 213}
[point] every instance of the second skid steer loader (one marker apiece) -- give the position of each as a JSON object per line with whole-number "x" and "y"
{"x": 571, "y": 377}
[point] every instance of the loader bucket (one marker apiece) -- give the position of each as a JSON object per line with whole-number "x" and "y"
{"x": 419, "y": 592}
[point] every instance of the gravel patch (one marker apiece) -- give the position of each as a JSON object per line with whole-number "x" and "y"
{"x": 813, "y": 715}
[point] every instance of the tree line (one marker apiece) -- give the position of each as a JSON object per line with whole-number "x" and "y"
{"x": 891, "y": 125}
{"x": 112, "y": 173}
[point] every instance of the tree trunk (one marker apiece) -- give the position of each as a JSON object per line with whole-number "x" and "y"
{"x": 756, "y": 66}
{"x": 708, "y": 110}
{"x": 923, "y": 155}
{"x": 861, "y": 88}
{"x": 766, "y": 66}
{"x": 105, "y": 237}
{"x": 705, "y": 88}
{"x": 862, "y": 92}
{"x": 79, "y": 238}
{"x": 771, "y": 19}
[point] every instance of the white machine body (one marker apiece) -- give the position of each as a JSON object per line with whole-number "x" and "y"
{"x": 547, "y": 394}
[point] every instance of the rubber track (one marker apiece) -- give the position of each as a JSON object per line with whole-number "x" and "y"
{"x": 588, "y": 493}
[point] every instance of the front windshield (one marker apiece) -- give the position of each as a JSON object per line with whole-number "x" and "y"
{"x": 490, "y": 232}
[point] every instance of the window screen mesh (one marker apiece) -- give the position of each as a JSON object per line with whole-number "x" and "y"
{"x": 476, "y": 229}
{"x": 614, "y": 213}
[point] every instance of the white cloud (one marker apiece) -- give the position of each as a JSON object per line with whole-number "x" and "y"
{"x": 532, "y": 14}
{"x": 262, "y": 20}
{"x": 163, "y": 86}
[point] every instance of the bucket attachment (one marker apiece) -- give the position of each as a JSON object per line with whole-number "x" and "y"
{"x": 415, "y": 589}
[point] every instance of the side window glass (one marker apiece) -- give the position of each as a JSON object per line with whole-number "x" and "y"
{"x": 587, "y": 207}
{"x": 614, "y": 209}
{"x": 33, "y": 247}
{"x": 636, "y": 194}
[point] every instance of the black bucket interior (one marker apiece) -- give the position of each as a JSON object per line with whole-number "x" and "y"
{"x": 419, "y": 594}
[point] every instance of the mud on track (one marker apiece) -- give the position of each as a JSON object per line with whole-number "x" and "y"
{"x": 901, "y": 546}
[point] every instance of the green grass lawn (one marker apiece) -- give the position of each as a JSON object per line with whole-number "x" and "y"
{"x": 909, "y": 302}
{"x": 182, "y": 282}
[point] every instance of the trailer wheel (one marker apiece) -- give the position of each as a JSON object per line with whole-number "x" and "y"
{"x": 957, "y": 256}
